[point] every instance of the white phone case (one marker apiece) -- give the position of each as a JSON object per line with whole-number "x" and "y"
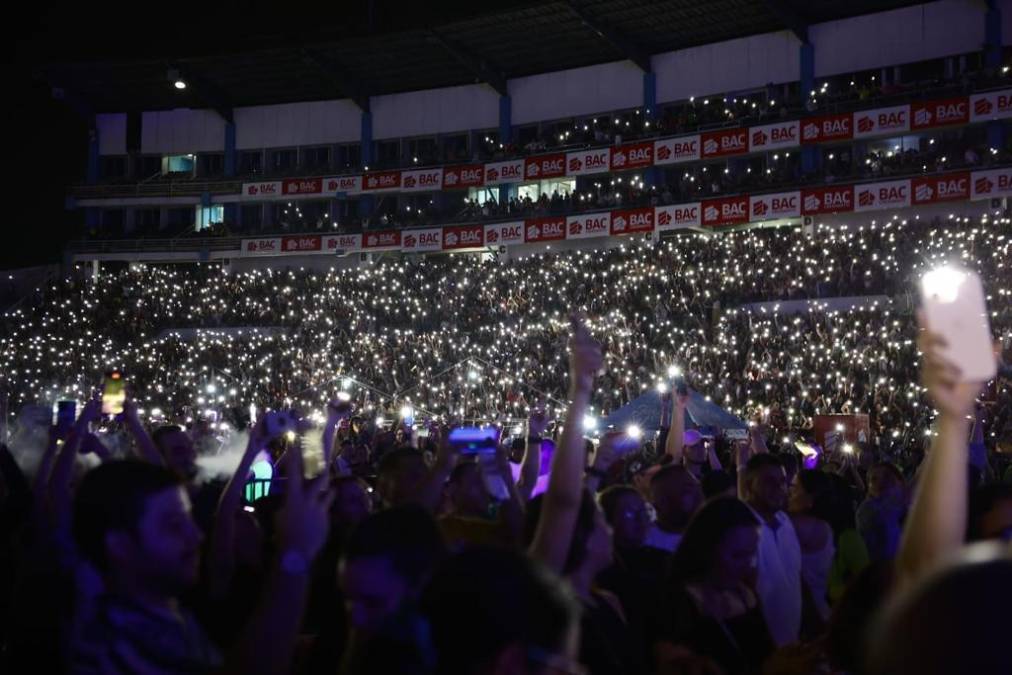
{"x": 953, "y": 303}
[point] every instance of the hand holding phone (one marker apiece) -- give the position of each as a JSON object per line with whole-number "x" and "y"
{"x": 113, "y": 393}
{"x": 474, "y": 441}
{"x": 954, "y": 310}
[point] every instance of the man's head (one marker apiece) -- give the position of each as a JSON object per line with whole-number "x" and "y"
{"x": 693, "y": 447}
{"x": 626, "y": 513}
{"x": 132, "y": 521}
{"x": 765, "y": 484}
{"x": 884, "y": 479}
{"x": 177, "y": 448}
{"x": 675, "y": 494}
{"x": 352, "y": 502}
{"x": 525, "y": 623}
{"x": 387, "y": 560}
{"x": 991, "y": 513}
{"x": 466, "y": 490}
{"x": 399, "y": 474}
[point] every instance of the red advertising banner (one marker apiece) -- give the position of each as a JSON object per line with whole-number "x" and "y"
{"x": 676, "y": 150}
{"x": 835, "y": 199}
{"x": 464, "y": 176}
{"x": 726, "y": 211}
{"x": 945, "y": 188}
{"x": 882, "y": 121}
{"x": 382, "y": 180}
{"x": 827, "y": 128}
{"x": 504, "y": 234}
{"x": 511, "y": 171}
{"x": 632, "y": 156}
{"x": 632, "y": 221}
{"x": 463, "y": 236}
{"x": 383, "y": 239}
{"x": 991, "y": 106}
{"x": 992, "y": 183}
{"x": 420, "y": 241}
{"x": 891, "y": 194}
{"x": 724, "y": 142}
{"x": 545, "y": 229}
{"x": 351, "y": 185}
{"x": 587, "y": 161}
{"x": 422, "y": 180}
{"x": 545, "y": 166}
{"x": 342, "y": 242}
{"x": 677, "y": 216}
{"x": 262, "y": 190}
{"x": 928, "y": 114}
{"x": 302, "y": 186}
{"x": 775, "y": 206}
{"x": 587, "y": 225}
{"x": 774, "y": 136}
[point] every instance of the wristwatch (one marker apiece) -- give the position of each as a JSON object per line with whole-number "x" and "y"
{"x": 294, "y": 562}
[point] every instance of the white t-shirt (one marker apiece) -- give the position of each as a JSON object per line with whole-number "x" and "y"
{"x": 666, "y": 541}
{"x": 779, "y": 582}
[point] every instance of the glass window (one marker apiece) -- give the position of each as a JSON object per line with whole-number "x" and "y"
{"x": 211, "y": 164}
{"x": 252, "y": 215}
{"x": 482, "y": 195}
{"x": 316, "y": 158}
{"x": 148, "y": 166}
{"x": 112, "y": 167}
{"x": 284, "y": 160}
{"x": 210, "y": 215}
{"x": 349, "y": 156}
{"x": 181, "y": 217}
{"x": 178, "y": 164}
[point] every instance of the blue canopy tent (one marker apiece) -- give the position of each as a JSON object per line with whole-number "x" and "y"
{"x": 645, "y": 412}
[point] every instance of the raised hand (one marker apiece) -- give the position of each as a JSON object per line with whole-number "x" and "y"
{"x": 585, "y": 356}
{"x": 304, "y": 519}
{"x": 951, "y": 395}
{"x": 537, "y": 422}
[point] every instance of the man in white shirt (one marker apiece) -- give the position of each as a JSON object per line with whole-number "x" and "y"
{"x": 779, "y": 563}
{"x": 675, "y": 495}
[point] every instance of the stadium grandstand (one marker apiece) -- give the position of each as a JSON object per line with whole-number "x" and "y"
{"x": 590, "y": 336}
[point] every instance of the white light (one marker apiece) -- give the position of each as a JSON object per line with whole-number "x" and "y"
{"x": 379, "y": 420}
{"x": 589, "y": 422}
{"x": 839, "y": 427}
{"x": 179, "y": 84}
{"x": 346, "y": 383}
{"x": 634, "y": 431}
{"x": 674, "y": 371}
{"x": 211, "y": 389}
{"x": 661, "y": 387}
{"x": 943, "y": 282}
{"x": 848, "y": 448}
{"x": 407, "y": 412}
{"x": 343, "y": 396}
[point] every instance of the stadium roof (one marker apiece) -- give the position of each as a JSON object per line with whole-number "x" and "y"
{"x": 258, "y": 53}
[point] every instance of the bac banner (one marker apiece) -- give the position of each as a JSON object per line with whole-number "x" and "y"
{"x": 827, "y": 128}
{"x": 422, "y": 241}
{"x": 386, "y": 239}
{"x": 544, "y": 229}
{"x": 460, "y": 237}
{"x": 774, "y": 136}
{"x": 724, "y": 142}
{"x": 381, "y": 180}
{"x": 632, "y": 221}
{"x": 835, "y": 199}
{"x": 349, "y": 185}
{"x": 887, "y": 195}
{"x": 422, "y": 180}
{"x": 993, "y": 183}
{"x": 882, "y": 121}
{"x": 944, "y": 188}
{"x": 348, "y": 243}
{"x": 632, "y": 156}
{"x": 676, "y": 150}
{"x": 261, "y": 191}
{"x": 587, "y": 161}
{"x": 677, "y": 216}
{"x": 994, "y": 105}
{"x": 504, "y": 234}
{"x": 468, "y": 175}
{"x": 775, "y": 206}
{"x": 588, "y": 225}
{"x": 725, "y": 211}
{"x": 511, "y": 171}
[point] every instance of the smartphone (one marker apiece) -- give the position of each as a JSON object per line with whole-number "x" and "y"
{"x": 494, "y": 482}
{"x": 736, "y": 434}
{"x": 952, "y": 299}
{"x": 66, "y": 413}
{"x": 623, "y": 442}
{"x": 113, "y": 393}
{"x": 474, "y": 441}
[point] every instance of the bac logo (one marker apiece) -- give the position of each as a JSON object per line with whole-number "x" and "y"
{"x": 619, "y": 224}
{"x": 552, "y": 166}
{"x": 492, "y": 236}
{"x": 759, "y": 208}
{"x": 664, "y": 218}
{"x": 984, "y": 106}
{"x": 470, "y": 176}
{"x": 812, "y": 202}
{"x": 512, "y": 233}
{"x": 687, "y": 214}
{"x": 640, "y": 221}
{"x": 837, "y": 200}
{"x": 686, "y": 148}
{"x": 710, "y": 146}
{"x": 533, "y": 232}
{"x": 732, "y": 210}
{"x": 575, "y": 164}
{"x": 892, "y": 194}
{"x": 866, "y": 198}
{"x": 555, "y": 228}
{"x": 428, "y": 239}
{"x": 664, "y": 152}
{"x": 372, "y": 240}
{"x": 428, "y": 180}
{"x": 450, "y": 239}
{"x": 451, "y": 178}
{"x": 711, "y": 213}
{"x": 409, "y": 182}
{"x": 618, "y": 159}
{"x": 575, "y": 228}
{"x": 492, "y": 175}
{"x": 409, "y": 241}
{"x": 985, "y": 185}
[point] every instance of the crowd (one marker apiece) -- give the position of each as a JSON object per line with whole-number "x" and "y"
{"x": 381, "y": 546}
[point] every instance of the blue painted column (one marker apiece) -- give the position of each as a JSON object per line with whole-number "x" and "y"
{"x": 809, "y": 154}
{"x": 506, "y": 190}
{"x": 366, "y": 202}
{"x": 992, "y": 61}
{"x": 231, "y": 213}
{"x": 93, "y": 169}
{"x": 652, "y": 175}
{"x": 230, "y": 153}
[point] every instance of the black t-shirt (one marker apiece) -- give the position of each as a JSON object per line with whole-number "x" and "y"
{"x": 607, "y": 644}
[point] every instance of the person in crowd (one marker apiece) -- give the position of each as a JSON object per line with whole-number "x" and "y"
{"x": 475, "y": 517}
{"x": 815, "y": 535}
{"x": 763, "y": 485}
{"x": 675, "y": 495}
{"x": 131, "y": 521}
{"x": 710, "y": 605}
{"x": 880, "y": 516}
{"x": 991, "y": 513}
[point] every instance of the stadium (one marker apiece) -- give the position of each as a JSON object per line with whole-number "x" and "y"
{"x": 689, "y": 323}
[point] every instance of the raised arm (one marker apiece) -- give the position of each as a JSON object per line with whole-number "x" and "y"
{"x": 267, "y": 644}
{"x": 146, "y": 448}
{"x": 430, "y": 491}
{"x": 221, "y": 547}
{"x": 676, "y": 434}
{"x": 531, "y": 466}
{"x": 554, "y": 531}
{"x": 936, "y": 524}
